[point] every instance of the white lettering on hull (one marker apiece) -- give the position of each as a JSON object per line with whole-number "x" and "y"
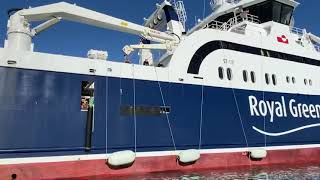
{"x": 278, "y": 109}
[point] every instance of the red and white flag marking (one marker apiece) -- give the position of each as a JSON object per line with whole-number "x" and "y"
{"x": 283, "y": 39}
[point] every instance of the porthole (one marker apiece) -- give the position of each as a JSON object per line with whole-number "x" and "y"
{"x": 293, "y": 80}
{"x": 305, "y": 81}
{"x": 274, "y": 79}
{"x": 288, "y": 79}
{"x": 245, "y": 75}
{"x": 253, "y": 77}
{"x": 229, "y": 74}
{"x": 220, "y": 70}
{"x": 267, "y": 78}
{"x": 310, "y": 82}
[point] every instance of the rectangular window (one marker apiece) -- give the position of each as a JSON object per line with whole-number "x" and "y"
{"x": 286, "y": 13}
{"x": 128, "y": 110}
{"x": 87, "y": 95}
{"x": 276, "y": 11}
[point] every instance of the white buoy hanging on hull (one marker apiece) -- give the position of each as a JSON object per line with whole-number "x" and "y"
{"x": 188, "y": 156}
{"x": 19, "y": 33}
{"x": 258, "y": 153}
{"x": 121, "y": 158}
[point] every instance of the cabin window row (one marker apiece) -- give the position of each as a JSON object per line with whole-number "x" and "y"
{"x": 250, "y": 76}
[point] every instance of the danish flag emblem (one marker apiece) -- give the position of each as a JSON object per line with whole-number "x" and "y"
{"x": 283, "y": 39}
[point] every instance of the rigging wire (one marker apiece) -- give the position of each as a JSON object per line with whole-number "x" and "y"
{"x": 167, "y": 116}
{"x": 263, "y": 93}
{"x": 241, "y": 121}
{"x": 201, "y": 117}
{"x": 107, "y": 92}
{"x": 134, "y": 110}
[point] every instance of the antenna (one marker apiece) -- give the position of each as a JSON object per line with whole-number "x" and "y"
{"x": 181, "y": 12}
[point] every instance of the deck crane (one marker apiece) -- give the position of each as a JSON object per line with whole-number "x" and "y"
{"x": 20, "y": 34}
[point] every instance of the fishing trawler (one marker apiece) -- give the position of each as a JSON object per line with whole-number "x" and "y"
{"x": 239, "y": 89}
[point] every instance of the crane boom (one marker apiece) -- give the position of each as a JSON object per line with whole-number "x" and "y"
{"x": 20, "y": 34}
{"x": 82, "y": 15}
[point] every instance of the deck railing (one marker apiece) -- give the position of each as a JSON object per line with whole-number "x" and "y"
{"x": 297, "y": 31}
{"x": 301, "y": 33}
{"x": 233, "y": 21}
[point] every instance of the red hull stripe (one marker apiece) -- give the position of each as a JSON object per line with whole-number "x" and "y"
{"x": 97, "y": 168}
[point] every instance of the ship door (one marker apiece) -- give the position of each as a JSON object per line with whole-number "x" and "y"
{"x": 87, "y": 106}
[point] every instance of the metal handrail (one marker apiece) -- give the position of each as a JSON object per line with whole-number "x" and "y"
{"x": 226, "y": 26}
{"x": 297, "y": 31}
{"x": 233, "y": 21}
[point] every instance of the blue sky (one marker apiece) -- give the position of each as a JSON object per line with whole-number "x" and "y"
{"x": 74, "y": 39}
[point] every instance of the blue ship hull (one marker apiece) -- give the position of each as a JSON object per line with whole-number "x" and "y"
{"x": 41, "y": 116}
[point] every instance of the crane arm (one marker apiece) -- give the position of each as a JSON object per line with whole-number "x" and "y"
{"x": 82, "y": 15}
{"x": 128, "y": 49}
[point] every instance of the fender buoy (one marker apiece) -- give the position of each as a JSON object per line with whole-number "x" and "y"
{"x": 189, "y": 156}
{"x": 121, "y": 158}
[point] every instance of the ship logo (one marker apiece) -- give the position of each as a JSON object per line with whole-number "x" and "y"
{"x": 285, "y": 132}
{"x": 282, "y": 109}
{"x": 283, "y": 39}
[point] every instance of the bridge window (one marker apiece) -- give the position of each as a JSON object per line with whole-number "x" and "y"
{"x": 286, "y": 13}
{"x": 272, "y": 11}
{"x": 221, "y": 72}
{"x": 245, "y": 75}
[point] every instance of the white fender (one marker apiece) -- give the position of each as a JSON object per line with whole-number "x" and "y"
{"x": 189, "y": 156}
{"x": 121, "y": 158}
{"x": 258, "y": 153}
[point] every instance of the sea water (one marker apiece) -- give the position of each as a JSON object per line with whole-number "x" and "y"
{"x": 262, "y": 173}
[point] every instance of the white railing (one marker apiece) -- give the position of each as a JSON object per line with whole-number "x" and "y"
{"x": 301, "y": 33}
{"x": 298, "y": 31}
{"x": 233, "y": 21}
